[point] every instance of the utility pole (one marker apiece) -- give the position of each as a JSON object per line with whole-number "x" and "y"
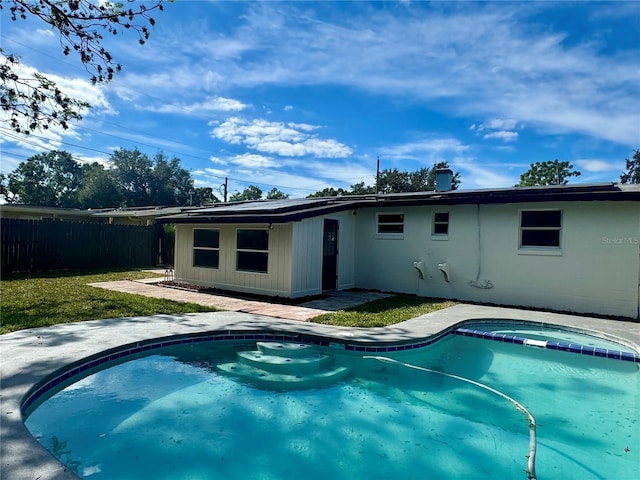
{"x": 225, "y": 186}
{"x": 378, "y": 177}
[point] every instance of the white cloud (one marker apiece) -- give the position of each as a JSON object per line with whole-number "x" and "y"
{"x": 474, "y": 175}
{"x": 502, "y": 135}
{"x": 593, "y": 165}
{"x": 296, "y": 176}
{"x": 500, "y": 124}
{"x": 217, "y": 160}
{"x": 425, "y": 151}
{"x": 303, "y": 126}
{"x": 498, "y": 128}
{"x": 189, "y": 80}
{"x": 253, "y": 161}
{"x": 471, "y": 60}
{"x": 212, "y": 171}
{"x": 101, "y": 159}
{"x": 45, "y": 33}
{"x": 211, "y": 104}
{"x": 288, "y": 140}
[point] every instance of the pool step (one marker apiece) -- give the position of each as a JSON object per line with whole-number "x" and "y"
{"x": 286, "y": 349}
{"x": 313, "y": 363}
{"x": 282, "y": 381}
{"x": 282, "y": 366}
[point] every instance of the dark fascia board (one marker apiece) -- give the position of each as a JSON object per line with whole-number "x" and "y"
{"x": 313, "y": 208}
{"x": 285, "y": 216}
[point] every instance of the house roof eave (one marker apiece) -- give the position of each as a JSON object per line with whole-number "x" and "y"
{"x": 299, "y": 209}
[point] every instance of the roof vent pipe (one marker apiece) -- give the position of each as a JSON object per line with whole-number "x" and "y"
{"x": 443, "y": 179}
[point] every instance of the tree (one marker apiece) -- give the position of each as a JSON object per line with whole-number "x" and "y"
{"x": 46, "y": 179}
{"x": 632, "y": 175}
{"x": 422, "y": 180}
{"x": 359, "y": 189}
{"x": 275, "y": 194}
{"x": 202, "y": 196}
{"x": 548, "y": 173}
{"x": 143, "y": 181}
{"x": 4, "y": 190}
{"x": 32, "y": 100}
{"x": 132, "y": 173}
{"x": 98, "y": 188}
{"x": 395, "y": 181}
{"x": 170, "y": 183}
{"x": 55, "y": 179}
{"x": 329, "y": 192}
{"x": 252, "y": 192}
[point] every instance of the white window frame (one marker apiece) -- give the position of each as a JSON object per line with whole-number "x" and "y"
{"x": 434, "y": 222}
{"x": 389, "y": 235}
{"x": 205, "y": 248}
{"x": 540, "y": 249}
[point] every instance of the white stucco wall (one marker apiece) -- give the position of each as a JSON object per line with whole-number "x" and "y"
{"x": 596, "y": 270}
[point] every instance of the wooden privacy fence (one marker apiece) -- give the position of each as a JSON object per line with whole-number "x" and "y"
{"x": 39, "y": 245}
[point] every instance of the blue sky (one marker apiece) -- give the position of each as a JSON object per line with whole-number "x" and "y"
{"x": 306, "y": 95}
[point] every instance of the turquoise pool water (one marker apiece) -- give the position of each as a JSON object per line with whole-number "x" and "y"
{"x": 173, "y": 415}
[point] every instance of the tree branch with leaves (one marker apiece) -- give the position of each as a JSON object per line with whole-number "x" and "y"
{"x": 32, "y": 100}
{"x": 548, "y": 173}
{"x": 632, "y": 175}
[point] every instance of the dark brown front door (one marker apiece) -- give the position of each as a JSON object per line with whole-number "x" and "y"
{"x": 330, "y": 255}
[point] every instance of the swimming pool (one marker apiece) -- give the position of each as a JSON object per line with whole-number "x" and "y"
{"x": 174, "y": 404}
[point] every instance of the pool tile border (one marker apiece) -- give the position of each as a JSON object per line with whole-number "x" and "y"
{"x": 42, "y": 388}
{"x": 552, "y": 345}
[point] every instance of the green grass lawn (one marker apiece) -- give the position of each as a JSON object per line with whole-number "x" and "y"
{"x": 383, "y": 312}
{"x": 37, "y": 300}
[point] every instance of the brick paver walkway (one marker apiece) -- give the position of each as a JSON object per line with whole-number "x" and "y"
{"x": 333, "y": 302}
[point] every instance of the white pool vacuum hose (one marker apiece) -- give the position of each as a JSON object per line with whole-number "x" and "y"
{"x": 531, "y": 464}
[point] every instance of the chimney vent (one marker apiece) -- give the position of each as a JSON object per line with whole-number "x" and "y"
{"x": 443, "y": 179}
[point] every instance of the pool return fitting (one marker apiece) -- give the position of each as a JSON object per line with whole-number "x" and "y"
{"x": 531, "y": 463}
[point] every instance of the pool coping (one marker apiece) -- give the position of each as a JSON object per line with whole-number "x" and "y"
{"x": 31, "y": 355}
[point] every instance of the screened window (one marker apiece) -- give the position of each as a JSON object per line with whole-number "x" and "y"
{"x": 206, "y": 248}
{"x": 390, "y": 223}
{"x": 540, "y": 228}
{"x": 441, "y": 223}
{"x": 252, "y": 250}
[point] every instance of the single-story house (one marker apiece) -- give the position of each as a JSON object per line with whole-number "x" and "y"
{"x": 569, "y": 248}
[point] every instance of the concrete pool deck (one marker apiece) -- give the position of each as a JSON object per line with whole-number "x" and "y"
{"x": 28, "y": 356}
